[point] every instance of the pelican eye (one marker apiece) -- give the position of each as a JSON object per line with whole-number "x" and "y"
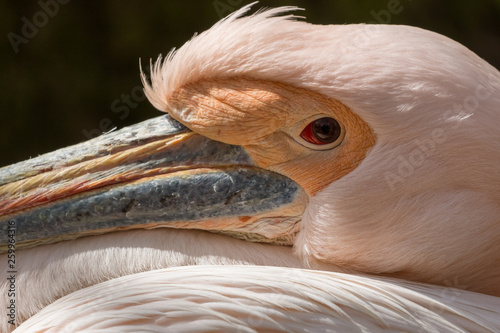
{"x": 322, "y": 131}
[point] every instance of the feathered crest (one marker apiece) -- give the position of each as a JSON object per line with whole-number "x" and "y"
{"x": 208, "y": 53}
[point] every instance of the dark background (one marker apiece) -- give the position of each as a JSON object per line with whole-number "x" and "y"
{"x": 70, "y": 78}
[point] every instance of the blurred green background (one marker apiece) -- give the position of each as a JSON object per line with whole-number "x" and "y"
{"x": 71, "y": 74}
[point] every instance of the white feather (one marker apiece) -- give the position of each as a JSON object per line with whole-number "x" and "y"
{"x": 265, "y": 299}
{"x": 49, "y": 272}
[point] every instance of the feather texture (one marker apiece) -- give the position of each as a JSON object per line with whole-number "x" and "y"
{"x": 270, "y": 299}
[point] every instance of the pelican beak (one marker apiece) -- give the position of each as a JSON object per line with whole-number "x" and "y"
{"x": 153, "y": 174}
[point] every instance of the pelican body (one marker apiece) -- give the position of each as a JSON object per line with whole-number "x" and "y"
{"x": 311, "y": 178}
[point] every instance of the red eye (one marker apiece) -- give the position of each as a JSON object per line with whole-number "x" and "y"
{"x": 322, "y": 131}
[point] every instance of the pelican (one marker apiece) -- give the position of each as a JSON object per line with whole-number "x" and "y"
{"x": 304, "y": 178}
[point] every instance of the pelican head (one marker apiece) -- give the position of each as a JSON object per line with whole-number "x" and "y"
{"x": 371, "y": 148}
{"x": 408, "y": 183}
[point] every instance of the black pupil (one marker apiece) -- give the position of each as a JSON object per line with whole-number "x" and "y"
{"x": 326, "y": 130}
